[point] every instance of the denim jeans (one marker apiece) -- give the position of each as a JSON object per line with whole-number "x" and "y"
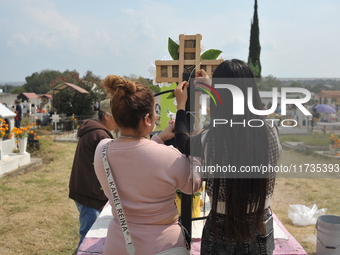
{"x": 17, "y": 123}
{"x": 87, "y": 216}
{"x": 210, "y": 245}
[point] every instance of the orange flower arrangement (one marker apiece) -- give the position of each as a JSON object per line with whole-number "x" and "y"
{"x": 3, "y": 129}
{"x": 335, "y": 140}
{"x": 20, "y": 133}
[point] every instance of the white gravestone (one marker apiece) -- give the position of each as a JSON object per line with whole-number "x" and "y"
{"x": 55, "y": 119}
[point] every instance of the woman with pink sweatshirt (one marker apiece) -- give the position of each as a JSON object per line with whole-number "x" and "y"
{"x": 146, "y": 172}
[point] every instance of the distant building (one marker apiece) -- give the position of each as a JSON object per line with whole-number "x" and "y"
{"x": 26, "y": 96}
{"x": 26, "y": 100}
{"x": 329, "y": 96}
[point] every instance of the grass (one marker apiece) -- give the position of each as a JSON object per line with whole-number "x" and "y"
{"x": 314, "y": 139}
{"x": 37, "y": 217}
{"x": 306, "y": 189}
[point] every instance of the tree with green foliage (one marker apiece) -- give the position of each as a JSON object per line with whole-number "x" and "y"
{"x": 318, "y": 88}
{"x": 296, "y": 84}
{"x": 39, "y": 83}
{"x": 17, "y": 90}
{"x": 146, "y": 82}
{"x": 10, "y": 89}
{"x": 254, "y": 46}
{"x": 269, "y": 82}
{"x": 71, "y": 101}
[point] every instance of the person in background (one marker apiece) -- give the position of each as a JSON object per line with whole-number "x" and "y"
{"x": 146, "y": 172}
{"x": 84, "y": 187}
{"x": 240, "y": 220}
{"x": 278, "y": 109}
{"x": 269, "y": 105}
{"x": 18, "y": 111}
{"x": 314, "y": 110}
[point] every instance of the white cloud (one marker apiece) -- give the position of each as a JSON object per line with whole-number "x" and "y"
{"x": 21, "y": 38}
{"x": 39, "y": 21}
{"x": 124, "y": 37}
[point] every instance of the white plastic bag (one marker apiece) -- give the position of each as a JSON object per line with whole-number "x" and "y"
{"x": 302, "y": 215}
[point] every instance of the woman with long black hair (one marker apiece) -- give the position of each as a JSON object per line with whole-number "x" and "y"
{"x": 240, "y": 220}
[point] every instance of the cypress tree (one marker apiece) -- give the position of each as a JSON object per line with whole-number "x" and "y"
{"x": 254, "y": 46}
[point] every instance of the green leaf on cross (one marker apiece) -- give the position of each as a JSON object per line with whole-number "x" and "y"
{"x": 173, "y": 49}
{"x": 211, "y": 54}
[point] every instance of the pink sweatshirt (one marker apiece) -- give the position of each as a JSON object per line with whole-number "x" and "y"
{"x": 146, "y": 173}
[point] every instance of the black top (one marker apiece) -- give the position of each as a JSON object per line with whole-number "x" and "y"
{"x": 187, "y": 144}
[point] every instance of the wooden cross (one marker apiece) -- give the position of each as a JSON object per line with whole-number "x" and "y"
{"x": 55, "y": 119}
{"x": 171, "y": 71}
{"x": 189, "y": 58}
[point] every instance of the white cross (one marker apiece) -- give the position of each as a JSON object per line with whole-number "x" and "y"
{"x": 55, "y": 118}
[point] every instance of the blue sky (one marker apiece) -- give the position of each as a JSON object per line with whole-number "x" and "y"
{"x": 299, "y": 38}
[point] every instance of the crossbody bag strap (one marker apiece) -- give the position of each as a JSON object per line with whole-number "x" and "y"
{"x": 130, "y": 248}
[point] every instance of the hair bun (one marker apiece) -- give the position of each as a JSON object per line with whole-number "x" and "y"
{"x": 118, "y": 86}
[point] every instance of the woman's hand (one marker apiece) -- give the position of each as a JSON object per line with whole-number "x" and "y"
{"x": 202, "y": 77}
{"x": 168, "y": 132}
{"x": 181, "y": 94}
{"x": 202, "y": 73}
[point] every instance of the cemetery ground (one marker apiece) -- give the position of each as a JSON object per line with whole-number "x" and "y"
{"x": 37, "y": 217}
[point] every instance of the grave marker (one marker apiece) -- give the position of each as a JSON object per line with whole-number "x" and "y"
{"x": 55, "y": 119}
{"x": 172, "y": 70}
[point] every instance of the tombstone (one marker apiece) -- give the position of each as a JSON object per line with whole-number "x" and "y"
{"x": 302, "y": 124}
{"x": 10, "y": 161}
{"x": 301, "y": 118}
{"x": 25, "y": 108}
{"x": 7, "y": 115}
{"x": 55, "y": 119}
